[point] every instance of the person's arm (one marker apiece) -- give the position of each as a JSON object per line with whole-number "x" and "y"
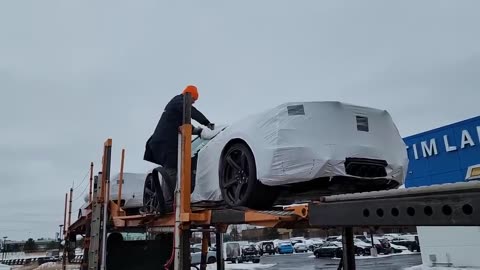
{"x": 199, "y": 117}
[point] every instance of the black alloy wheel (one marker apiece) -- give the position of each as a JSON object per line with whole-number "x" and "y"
{"x": 153, "y": 202}
{"x": 238, "y": 180}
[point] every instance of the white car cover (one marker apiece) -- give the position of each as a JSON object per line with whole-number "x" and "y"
{"x": 297, "y": 142}
{"x": 294, "y": 142}
{"x": 132, "y": 188}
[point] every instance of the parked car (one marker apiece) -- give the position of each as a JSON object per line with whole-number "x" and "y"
{"x": 398, "y": 248}
{"x": 297, "y": 240}
{"x": 361, "y": 248}
{"x": 361, "y": 237}
{"x": 285, "y": 248}
{"x": 267, "y": 248}
{"x": 196, "y": 255}
{"x": 232, "y": 252}
{"x": 391, "y": 236}
{"x": 53, "y": 255}
{"x": 333, "y": 239}
{"x": 382, "y": 245}
{"x": 275, "y": 155}
{"x": 249, "y": 254}
{"x": 300, "y": 248}
{"x": 329, "y": 250}
{"x": 312, "y": 244}
{"x": 409, "y": 241}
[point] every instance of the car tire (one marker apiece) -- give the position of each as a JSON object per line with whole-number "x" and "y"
{"x": 238, "y": 180}
{"x": 211, "y": 260}
{"x": 153, "y": 200}
{"x": 256, "y": 261}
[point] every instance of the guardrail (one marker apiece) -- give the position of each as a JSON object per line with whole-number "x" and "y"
{"x": 40, "y": 260}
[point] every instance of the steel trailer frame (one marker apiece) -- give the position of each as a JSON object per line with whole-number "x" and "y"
{"x": 443, "y": 205}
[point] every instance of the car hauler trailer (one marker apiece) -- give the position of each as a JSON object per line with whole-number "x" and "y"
{"x": 168, "y": 245}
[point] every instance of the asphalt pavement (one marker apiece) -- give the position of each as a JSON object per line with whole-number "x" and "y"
{"x": 309, "y": 262}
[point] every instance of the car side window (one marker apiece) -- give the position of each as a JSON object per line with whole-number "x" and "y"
{"x": 197, "y": 144}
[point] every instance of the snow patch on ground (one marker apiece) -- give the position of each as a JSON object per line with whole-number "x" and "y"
{"x": 56, "y": 266}
{"x": 424, "y": 267}
{"x": 47, "y": 265}
{"x": 4, "y": 267}
{"x": 406, "y": 252}
{"x": 243, "y": 266}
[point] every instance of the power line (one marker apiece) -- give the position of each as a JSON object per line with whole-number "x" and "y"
{"x": 83, "y": 180}
{"x": 80, "y": 195}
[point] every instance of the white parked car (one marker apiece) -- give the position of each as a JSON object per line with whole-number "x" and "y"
{"x": 196, "y": 256}
{"x": 300, "y": 247}
{"x": 297, "y": 151}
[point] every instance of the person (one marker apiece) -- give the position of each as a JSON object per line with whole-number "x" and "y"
{"x": 162, "y": 146}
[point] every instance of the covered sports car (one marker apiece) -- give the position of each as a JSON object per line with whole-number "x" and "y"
{"x": 295, "y": 152}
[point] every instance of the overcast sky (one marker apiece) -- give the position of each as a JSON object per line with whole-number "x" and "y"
{"x": 75, "y": 73}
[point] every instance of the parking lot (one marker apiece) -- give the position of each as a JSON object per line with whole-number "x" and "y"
{"x": 308, "y": 262}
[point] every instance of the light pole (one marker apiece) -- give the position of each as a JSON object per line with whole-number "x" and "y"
{"x": 60, "y": 234}
{"x": 4, "y": 247}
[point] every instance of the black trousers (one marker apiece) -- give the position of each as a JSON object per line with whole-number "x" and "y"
{"x": 168, "y": 187}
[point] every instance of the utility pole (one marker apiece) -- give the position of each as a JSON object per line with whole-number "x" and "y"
{"x": 90, "y": 184}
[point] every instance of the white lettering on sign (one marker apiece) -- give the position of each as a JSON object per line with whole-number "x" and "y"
{"x": 429, "y": 150}
{"x": 448, "y": 148}
{"x": 415, "y": 152}
{"x": 430, "y": 147}
{"x": 466, "y": 139}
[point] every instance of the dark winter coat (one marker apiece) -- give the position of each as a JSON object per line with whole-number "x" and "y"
{"x": 161, "y": 148}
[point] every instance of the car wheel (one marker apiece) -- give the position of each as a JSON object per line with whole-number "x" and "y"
{"x": 211, "y": 260}
{"x": 256, "y": 261}
{"x": 238, "y": 180}
{"x": 360, "y": 252}
{"x": 153, "y": 201}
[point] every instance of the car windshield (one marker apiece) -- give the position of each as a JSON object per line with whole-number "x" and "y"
{"x": 198, "y": 143}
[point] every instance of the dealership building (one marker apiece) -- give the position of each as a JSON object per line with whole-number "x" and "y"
{"x": 446, "y": 155}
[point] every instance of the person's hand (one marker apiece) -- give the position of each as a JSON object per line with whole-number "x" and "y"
{"x": 197, "y": 131}
{"x": 211, "y": 126}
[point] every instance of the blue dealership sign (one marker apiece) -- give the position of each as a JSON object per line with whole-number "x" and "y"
{"x": 444, "y": 155}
